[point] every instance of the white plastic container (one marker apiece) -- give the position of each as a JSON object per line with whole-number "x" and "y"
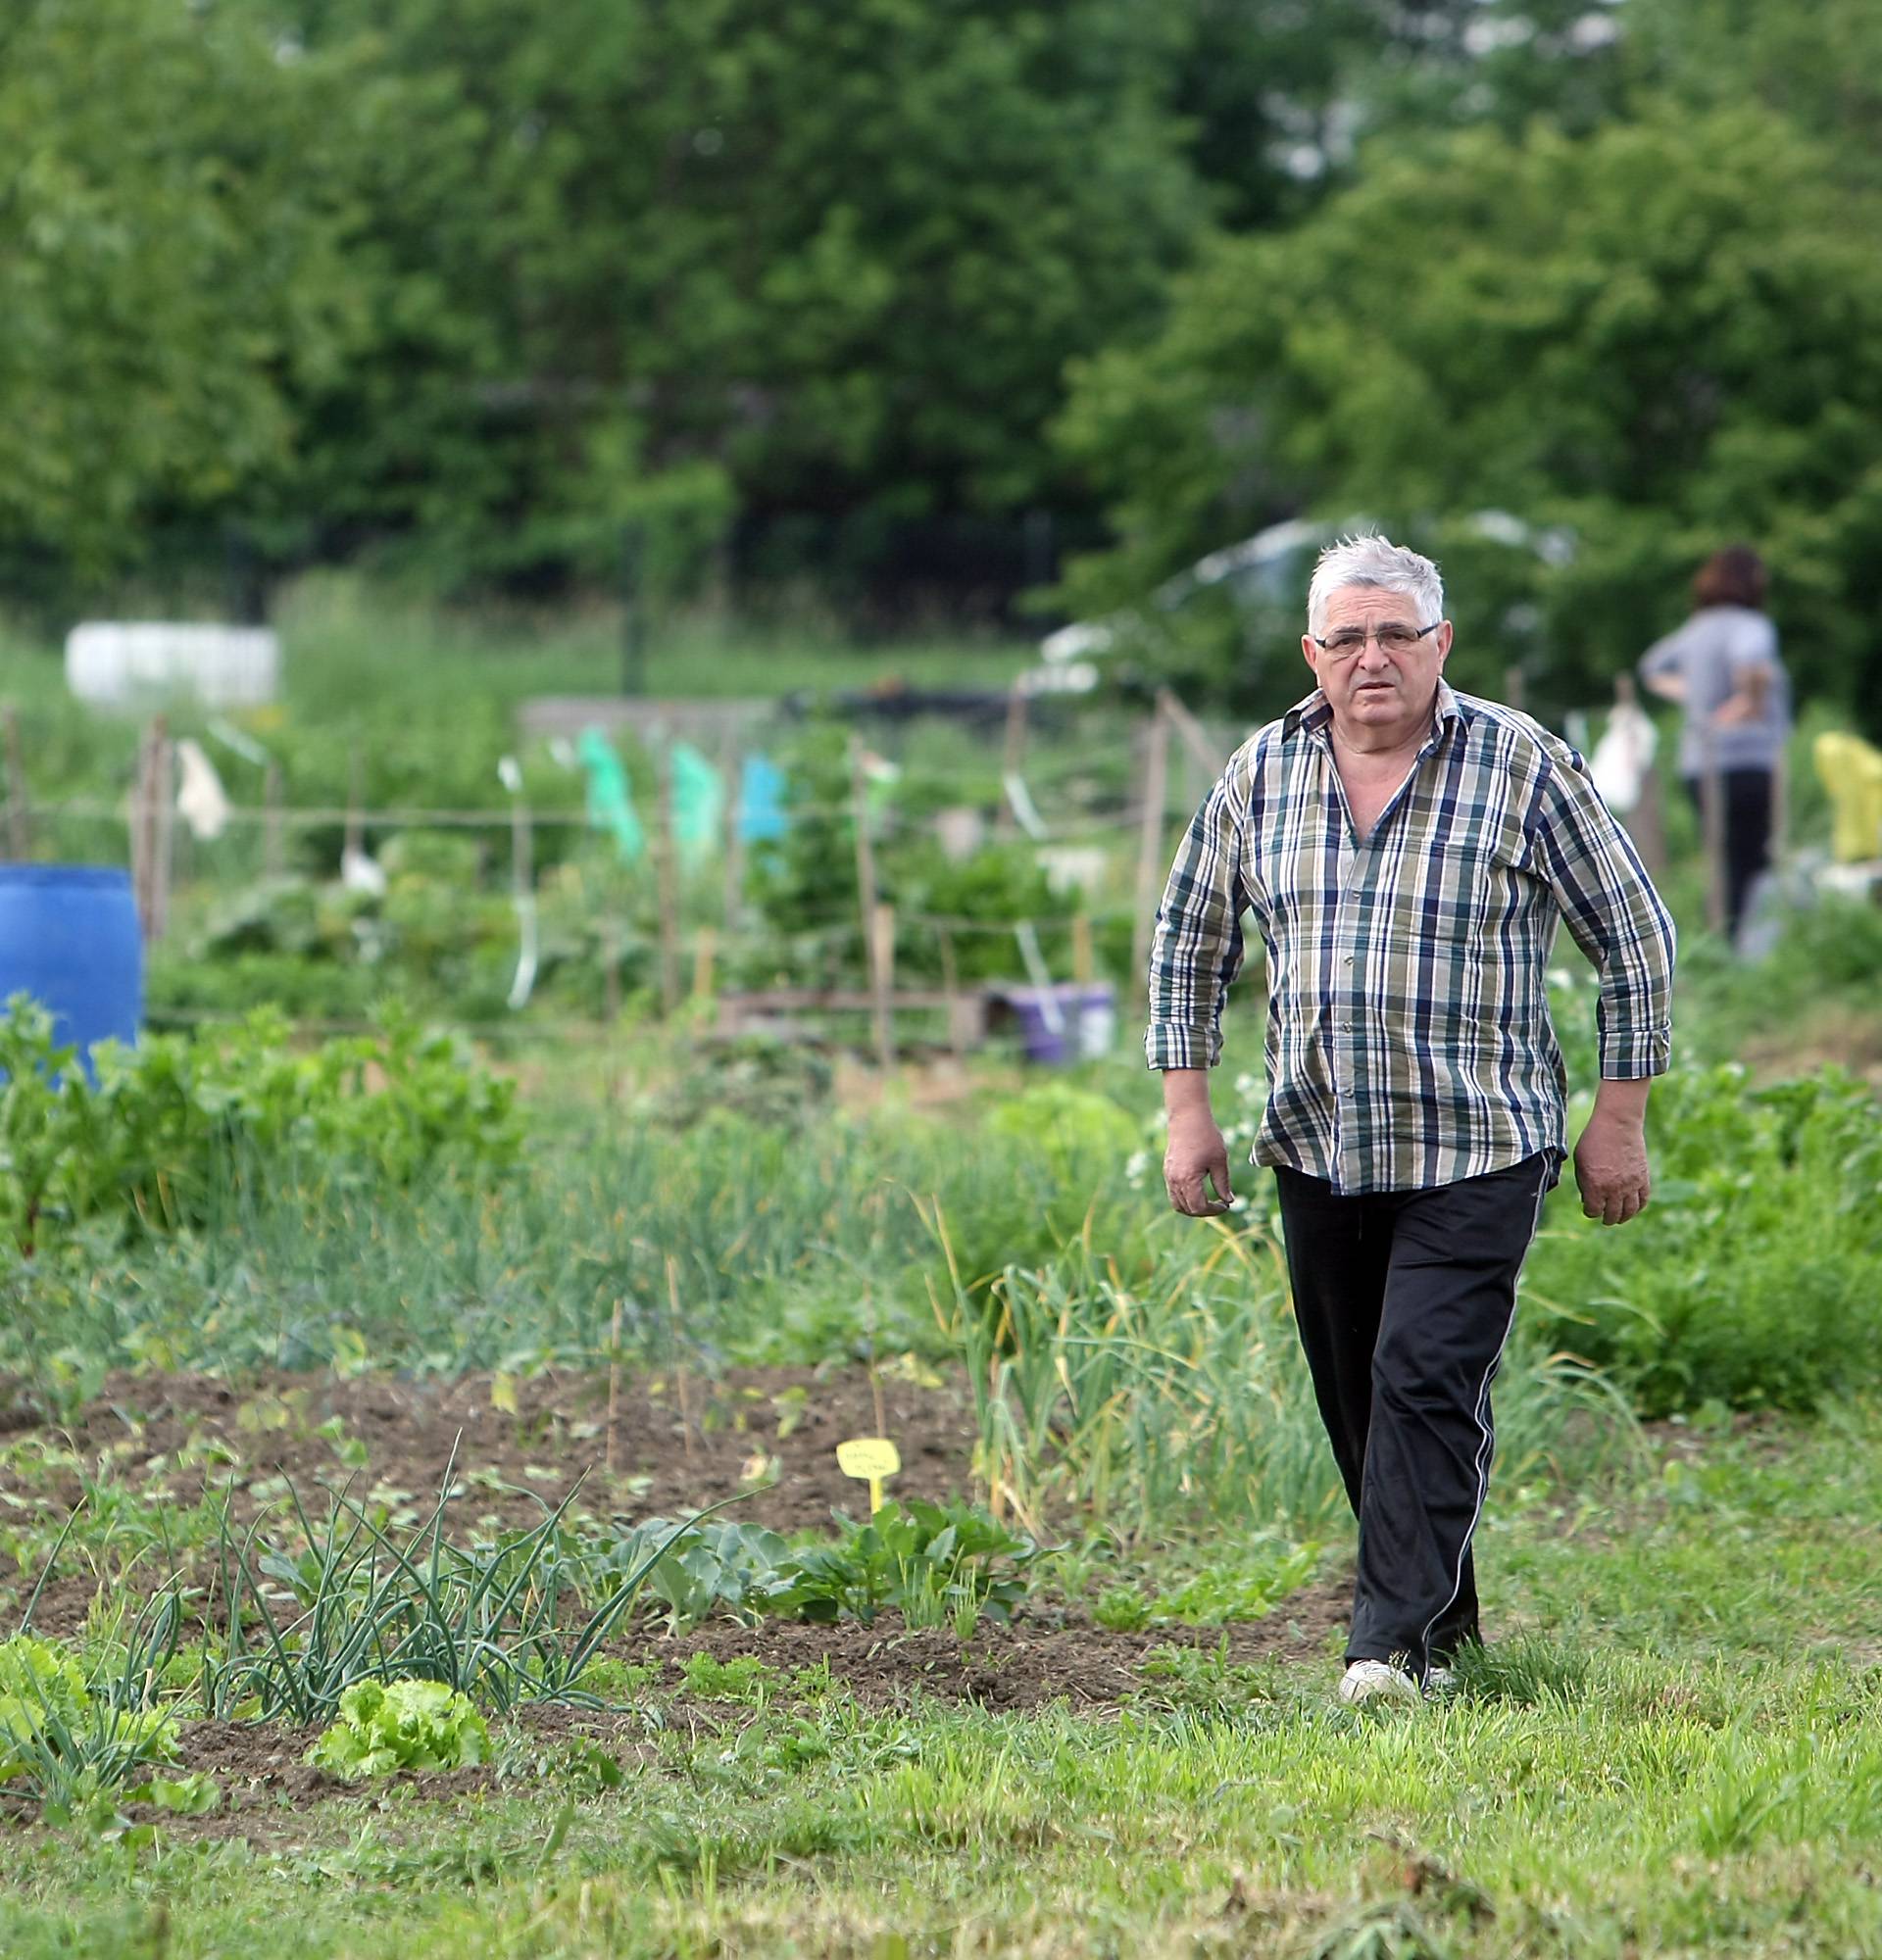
{"x": 118, "y": 664}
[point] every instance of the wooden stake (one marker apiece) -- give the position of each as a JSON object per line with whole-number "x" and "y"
{"x": 1711, "y": 813}
{"x": 1208, "y": 758}
{"x": 951, "y": 990}
{"x": 666, "y": 876}
{"x": 1780, "y": 809}
{"x": 613, "y": 1386}
{"x": 355, "y": 839}
{"x": 679, "y": 1358}
{"x": 271, "y": 855}
{"x": 19, "y": 824}
{"x": 1012, "y": 756}
{"x": 148, "y": 842}
{"x": 137, "y": 825}
{"x": 867, "y": 904}
{"x": 611, "y": 950}
{"x": 165, "y": 864}
{"x": 1149, "y": 839}
{"x": 1081, "y": 955}
{"x": 705, "y": 946}
{"x": 883, "y": 929}
{"x": 1647, "y": 820}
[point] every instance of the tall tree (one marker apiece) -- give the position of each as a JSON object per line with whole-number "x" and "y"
{"x": 1658, "y": 337}
{"x": 813, "y": 257}
{"x": 172, "y": 265}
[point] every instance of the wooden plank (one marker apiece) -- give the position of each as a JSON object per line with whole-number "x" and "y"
{"x": 666, "y": 877}
{"x": 18, "y": 805}
{"x": 1151, "y": 868}
{"x": 867, "y": 902}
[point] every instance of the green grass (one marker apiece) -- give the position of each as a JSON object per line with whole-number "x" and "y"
{"x": 1675, "y": 1747}
{"x": 345, "y": 640}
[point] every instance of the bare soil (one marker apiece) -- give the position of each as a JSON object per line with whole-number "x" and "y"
{"x": 677, "y": 1443}
{"x": 678, "y": 1447}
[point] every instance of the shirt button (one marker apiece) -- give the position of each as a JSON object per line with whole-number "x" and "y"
{"x": 1349, "y": 959}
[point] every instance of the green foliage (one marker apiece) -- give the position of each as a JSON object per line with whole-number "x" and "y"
{"x": 1754, "y": 1277}
{"x": 173, "y": 247}
{"x": 375, "y": 1603}
{"x": 744, "y": 1679}
{"x": 1656, "y": 336}
{"x": 1241, "y": 1588}
{"x": 621, "y": 266}
{"x": 926, "y": 1561}
{"x": 178, "y": 1121}
{"x": 384, "y": 1726}
{"x": 64, "y": 1742}
{"x": 697, "y": 1569}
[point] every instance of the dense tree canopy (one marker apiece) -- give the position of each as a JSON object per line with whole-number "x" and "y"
{"x": 638, "y": 257}
{"x": 171, "y": 263}
{"x": 1660, "y": 336}
{"x": 484, "y": 283}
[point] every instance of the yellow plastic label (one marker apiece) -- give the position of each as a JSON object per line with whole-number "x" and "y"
{"x": 871, "y": 1458}
{"x": 868, "y": 1457}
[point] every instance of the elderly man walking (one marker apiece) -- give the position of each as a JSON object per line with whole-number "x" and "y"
{"x": 1406, "y": 852}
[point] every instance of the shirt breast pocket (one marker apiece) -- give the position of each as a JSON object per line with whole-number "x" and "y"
{"x": 1478, "y": 879}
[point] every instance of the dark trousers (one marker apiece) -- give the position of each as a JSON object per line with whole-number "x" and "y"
{"x": 1403, "y": 1301}
{"x": 1747, "y": 829}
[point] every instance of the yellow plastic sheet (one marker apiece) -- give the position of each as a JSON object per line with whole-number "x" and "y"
{"x": 1852, "y": 773}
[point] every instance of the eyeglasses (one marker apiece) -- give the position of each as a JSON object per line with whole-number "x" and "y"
{"x": 1393, "y": 638}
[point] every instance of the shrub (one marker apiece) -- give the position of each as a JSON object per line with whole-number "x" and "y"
{"x": 1755, "y": 1276}
{"x": 177, "y": 1120}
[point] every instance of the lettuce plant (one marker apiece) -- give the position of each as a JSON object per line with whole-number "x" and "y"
{"x": 387, "y": 1725}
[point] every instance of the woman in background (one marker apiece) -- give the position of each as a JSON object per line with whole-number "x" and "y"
{"x": 1723, "y": 669}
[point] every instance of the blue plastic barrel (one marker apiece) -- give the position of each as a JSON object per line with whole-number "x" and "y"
{"x": 69, "y": 937}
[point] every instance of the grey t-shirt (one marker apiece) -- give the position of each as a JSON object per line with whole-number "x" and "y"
{"x": 1713, "y": 653}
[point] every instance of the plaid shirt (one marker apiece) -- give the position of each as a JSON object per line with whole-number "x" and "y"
{"x": 1408, "y": 1041}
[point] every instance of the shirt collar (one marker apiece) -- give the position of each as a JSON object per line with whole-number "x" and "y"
{"x": 1315, "y": 713}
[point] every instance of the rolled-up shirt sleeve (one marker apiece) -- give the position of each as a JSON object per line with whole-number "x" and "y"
{"x": 1613, "y": 912}
{"x": 1197, "y": 950}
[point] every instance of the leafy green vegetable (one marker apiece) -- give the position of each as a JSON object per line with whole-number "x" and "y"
{"x": 64, "y": 1744}
{"x": 384, "y": 1726}
{"x": 927, "y": 1561}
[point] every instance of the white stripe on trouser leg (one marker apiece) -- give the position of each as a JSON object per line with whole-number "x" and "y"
{"x": 1486, "y": 1448}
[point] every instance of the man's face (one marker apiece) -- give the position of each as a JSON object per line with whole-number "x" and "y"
{"x": 1382, "y": 693}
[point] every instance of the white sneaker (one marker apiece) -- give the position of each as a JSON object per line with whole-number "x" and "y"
{"x": 1376, "y": 1681}
{"x": 1439, "y": 1681}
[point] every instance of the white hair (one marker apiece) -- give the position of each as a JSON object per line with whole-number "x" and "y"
{"x": 1379, "y": 563}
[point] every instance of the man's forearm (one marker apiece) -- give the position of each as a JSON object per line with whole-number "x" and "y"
{"x": 1186, "y": 1093}
{"x": 1621, "y": 1099}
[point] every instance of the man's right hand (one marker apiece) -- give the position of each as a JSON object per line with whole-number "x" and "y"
{"x": 1196, "y": 1151}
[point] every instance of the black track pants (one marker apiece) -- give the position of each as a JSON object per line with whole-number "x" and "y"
{"x": 1403, "y": 1301}
{"x": 1749, "y": 795}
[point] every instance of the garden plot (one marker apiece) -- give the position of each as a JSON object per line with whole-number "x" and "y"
{"x": 765, "y": 1435}
{"x": 225, "y": 1563}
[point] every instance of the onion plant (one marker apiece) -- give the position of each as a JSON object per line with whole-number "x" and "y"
{"x": 363, "y": 1602}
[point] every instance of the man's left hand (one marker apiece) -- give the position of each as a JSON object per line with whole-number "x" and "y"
{"x": 1611, "y": 1168}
